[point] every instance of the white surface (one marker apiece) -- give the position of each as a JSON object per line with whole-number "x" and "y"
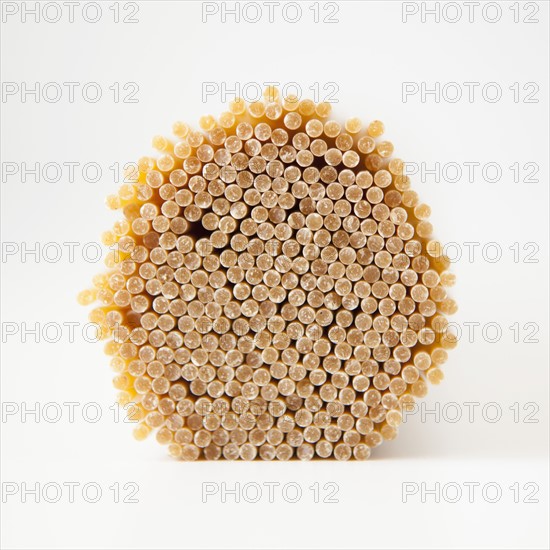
{"x": 368, "y": 54}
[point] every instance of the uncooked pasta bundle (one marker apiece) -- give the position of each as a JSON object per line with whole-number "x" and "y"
{"x": 273, "y": 290}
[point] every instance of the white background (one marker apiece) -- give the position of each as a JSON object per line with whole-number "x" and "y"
{"x": 368, "y": 54}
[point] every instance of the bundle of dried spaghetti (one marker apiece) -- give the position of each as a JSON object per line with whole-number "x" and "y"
{"x": 274, "y": 290}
